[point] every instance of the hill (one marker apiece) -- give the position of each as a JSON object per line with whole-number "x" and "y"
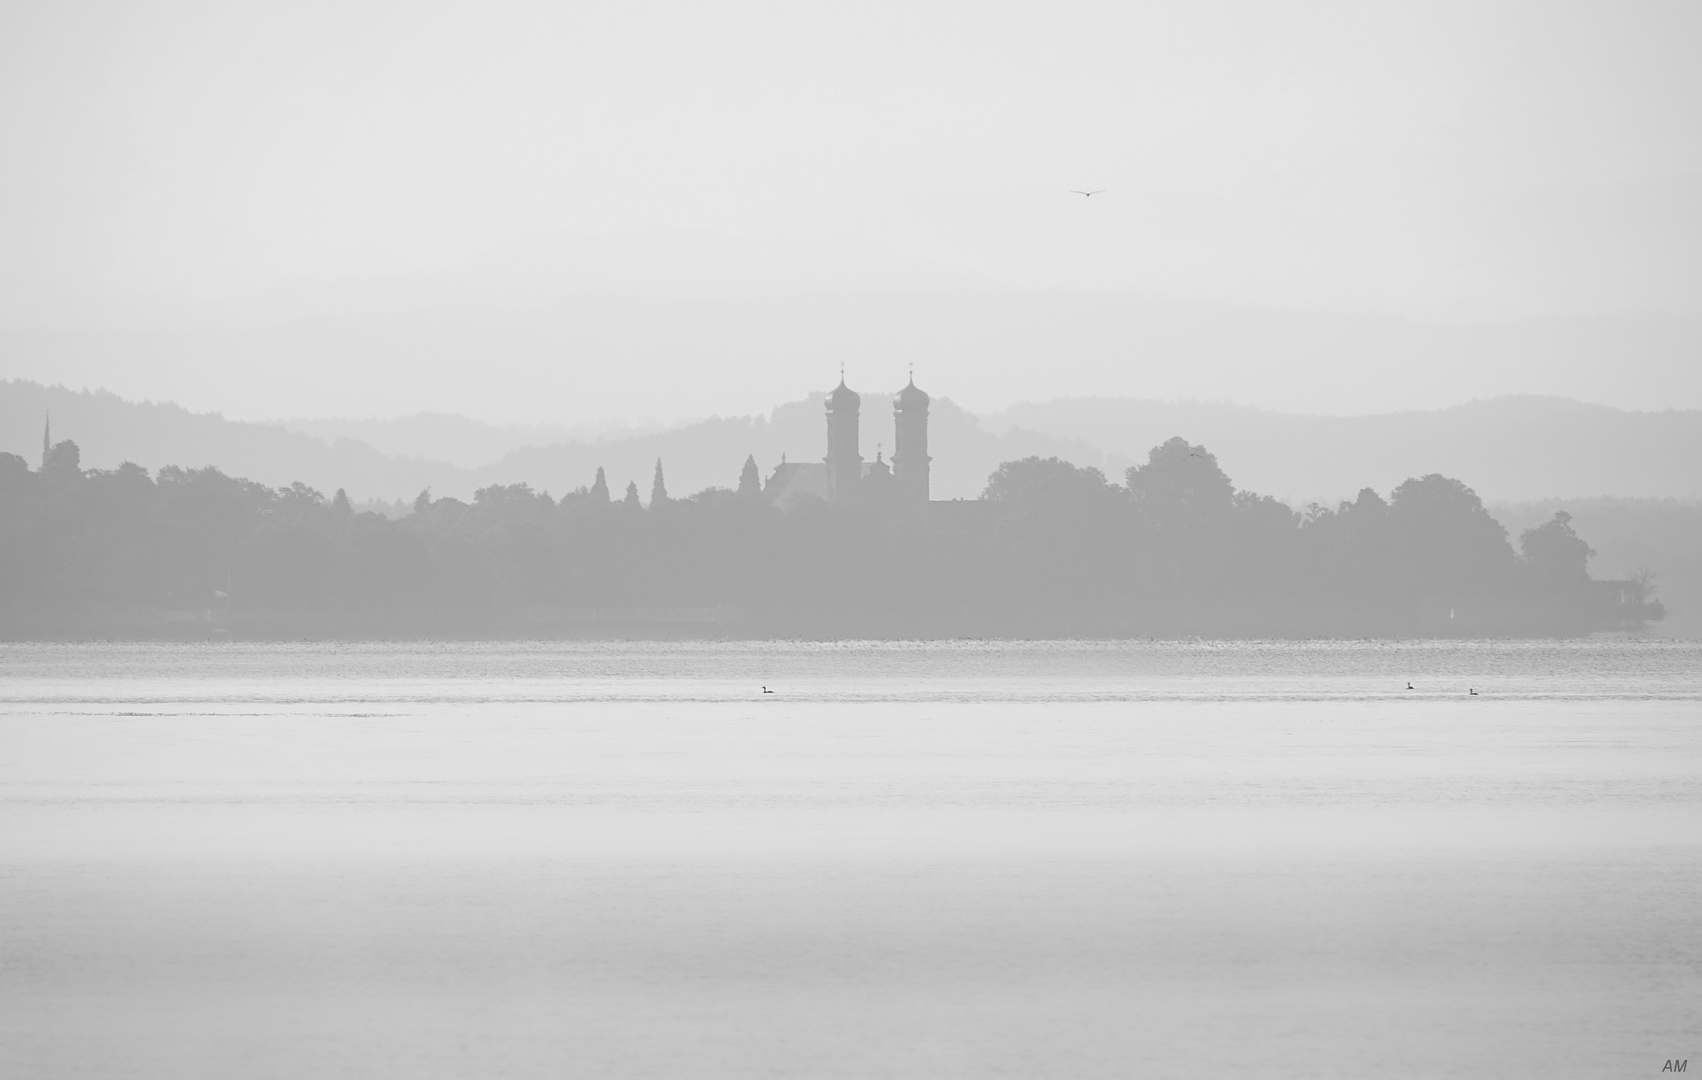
{"x": 1509, "y": 449}
{"x": 109, "y": 430}
{"x": 1516, "y": 449}
{"x": 711, "y": 452}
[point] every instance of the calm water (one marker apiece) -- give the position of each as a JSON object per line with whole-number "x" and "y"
{"x": 971, "y": 860}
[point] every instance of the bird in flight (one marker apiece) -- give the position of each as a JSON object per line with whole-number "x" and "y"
{"x": 1090, "y": 194}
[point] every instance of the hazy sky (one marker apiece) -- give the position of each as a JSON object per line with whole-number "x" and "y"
{"x": 196, "y": 165}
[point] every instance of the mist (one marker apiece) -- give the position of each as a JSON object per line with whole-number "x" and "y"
{"x": 541, "y": 215}
{"x": 912, "y": 538}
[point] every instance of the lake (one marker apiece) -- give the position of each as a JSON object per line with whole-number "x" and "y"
{"x": 933, "y": 860}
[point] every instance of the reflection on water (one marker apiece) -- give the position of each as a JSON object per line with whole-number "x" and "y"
{"x": 931, "y": 860}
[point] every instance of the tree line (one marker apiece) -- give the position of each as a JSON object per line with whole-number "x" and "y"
{"x": 1050, "y": 549}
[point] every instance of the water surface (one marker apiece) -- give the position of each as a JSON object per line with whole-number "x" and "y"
{"x": 929, "y": 860}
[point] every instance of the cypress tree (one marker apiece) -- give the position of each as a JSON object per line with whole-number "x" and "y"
{"x": 750, "y": 481}
{"x": 600, "y": 489}
{"x": 658, "y": 489}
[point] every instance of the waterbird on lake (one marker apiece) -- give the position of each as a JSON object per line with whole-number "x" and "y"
{"x": 766, "y": 690}
{"x": 1472, "y": 691}
{"x": 1409, "y": 686}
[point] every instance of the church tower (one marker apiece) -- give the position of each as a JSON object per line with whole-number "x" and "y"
{"x": 844, "y": 459}
{"x": 910, "y": 443}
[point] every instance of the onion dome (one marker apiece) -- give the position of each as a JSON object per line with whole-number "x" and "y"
{"x": 910, "y": 397}
{"x": 843, "y": 397}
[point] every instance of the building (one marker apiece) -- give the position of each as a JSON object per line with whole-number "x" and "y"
{"x": 795, "y": 480}
{"x": 910, "y": 443}
{"x": 843, "y": 477}
{"x": 844, "y": 457}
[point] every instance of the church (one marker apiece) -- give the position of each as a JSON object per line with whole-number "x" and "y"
{"x": 843, "y": 477}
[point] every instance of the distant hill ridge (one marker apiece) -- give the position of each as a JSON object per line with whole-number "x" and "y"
{"x": 1508, "y": 449}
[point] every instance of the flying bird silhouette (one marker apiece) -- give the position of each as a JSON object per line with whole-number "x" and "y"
{"x": 1089, "y": 194}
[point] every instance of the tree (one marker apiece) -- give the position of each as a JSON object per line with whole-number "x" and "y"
{"x": 1444, "y": 541}
{"x": 1045, "y": 484}
{"x": 1182, "y": 504}
{"x": 600, "y": 488}
{"x": 12, "y": 467}
{"x": 1367, "y": 506}
{"x": 1348, "y": 549}
{"x": 1062, "y": 527}
{"x": 1640, "y": 585}
{"x": 631, "y": 494}
{"x": 422, "y": 501}
{"x": 1555, "y": 555}
{"x": 750, "y": 481}
{"x": 1638, "y": 590}
{"x": 62, "y": 462}
{"x": 496, "y": 494}
{"x": 658, "y": 489}
{"x": 340, "y": 503}
{"x": 298, "y": 497}
{"x": 1180, "y": 490}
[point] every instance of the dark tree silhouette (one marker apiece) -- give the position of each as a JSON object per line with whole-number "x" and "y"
{"x": 750, "y": 481}
{"x": 1447, "y": 544}
{"x": 1051, "y": 548}
{"x": 600, "y": 487}
{"x": 1063, "y": 525}
{"x": 1180, "y": 490}
{"x": 63, "y": 461}
{"x": 1182, "y": 503}
{"x": 1347, "y": 550}
{"x": 1045, "y": 484}
{"x": 1555, "y": 555}
{"x": 658, "y": 489}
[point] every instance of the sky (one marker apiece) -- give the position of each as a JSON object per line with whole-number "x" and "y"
{"x": 321, "y": 208}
